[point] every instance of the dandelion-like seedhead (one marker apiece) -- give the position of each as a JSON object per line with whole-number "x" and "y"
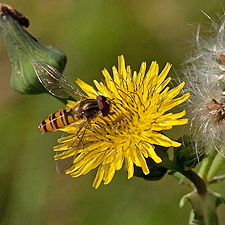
{"x": 138, "y": 115}
{"x": 209, "y": 57}
{"x": 204, "y": 72}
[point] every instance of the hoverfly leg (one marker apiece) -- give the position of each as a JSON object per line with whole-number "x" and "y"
{"x": 87, "y": 126}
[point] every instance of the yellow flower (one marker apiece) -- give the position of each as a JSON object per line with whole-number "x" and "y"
{"x": 128, "y": 134}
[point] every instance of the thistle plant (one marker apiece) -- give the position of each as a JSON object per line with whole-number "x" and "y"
{"x": 131, "y": 134}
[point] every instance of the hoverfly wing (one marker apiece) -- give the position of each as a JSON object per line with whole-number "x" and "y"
{"x": 64, "y": 164}
{"x": 55, "y": 82}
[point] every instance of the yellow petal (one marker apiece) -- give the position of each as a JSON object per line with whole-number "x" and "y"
{"x": 88, "y": 89}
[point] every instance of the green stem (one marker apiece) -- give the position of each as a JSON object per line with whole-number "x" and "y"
{"x": 204, "y": 208}
{"x": 191, "y": 175}
{"x": 197, "y": 181}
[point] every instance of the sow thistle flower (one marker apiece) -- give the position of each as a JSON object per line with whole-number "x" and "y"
{"x": 139, "y": 103}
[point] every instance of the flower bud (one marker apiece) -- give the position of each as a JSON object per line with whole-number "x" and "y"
{"x": 24, "y": 50}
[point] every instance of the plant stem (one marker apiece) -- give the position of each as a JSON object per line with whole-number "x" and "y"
{"x": 189, "y": 174}
{"x": 196, "y": 180}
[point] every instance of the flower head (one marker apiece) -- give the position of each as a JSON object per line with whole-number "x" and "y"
{"x": 204, "y": 72}
{"x": 138, "y": 115}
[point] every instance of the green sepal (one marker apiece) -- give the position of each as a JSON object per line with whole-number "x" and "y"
{"x": 24, "y": 50}
{"x": 157, "y": 171}
{"x": 186, "y": 154}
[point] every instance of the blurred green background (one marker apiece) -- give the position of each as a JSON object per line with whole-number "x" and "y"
{"x": 92, "y": 34}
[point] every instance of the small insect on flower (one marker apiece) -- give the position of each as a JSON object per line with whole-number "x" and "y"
{"x": 123, "y": 120}
{"x": 86, "y": 109}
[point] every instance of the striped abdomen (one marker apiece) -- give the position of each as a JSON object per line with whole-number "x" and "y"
{"x": 58, "y": 120}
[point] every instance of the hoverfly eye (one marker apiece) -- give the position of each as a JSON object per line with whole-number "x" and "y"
{"x": 101, "y": 98}
{"x": 103, "y": 105}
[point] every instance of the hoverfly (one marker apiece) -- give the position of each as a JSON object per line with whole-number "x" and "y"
{"x": 86, "y": 109}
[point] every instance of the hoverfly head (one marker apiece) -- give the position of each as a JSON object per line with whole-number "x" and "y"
{"x": 104, "y": 105}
